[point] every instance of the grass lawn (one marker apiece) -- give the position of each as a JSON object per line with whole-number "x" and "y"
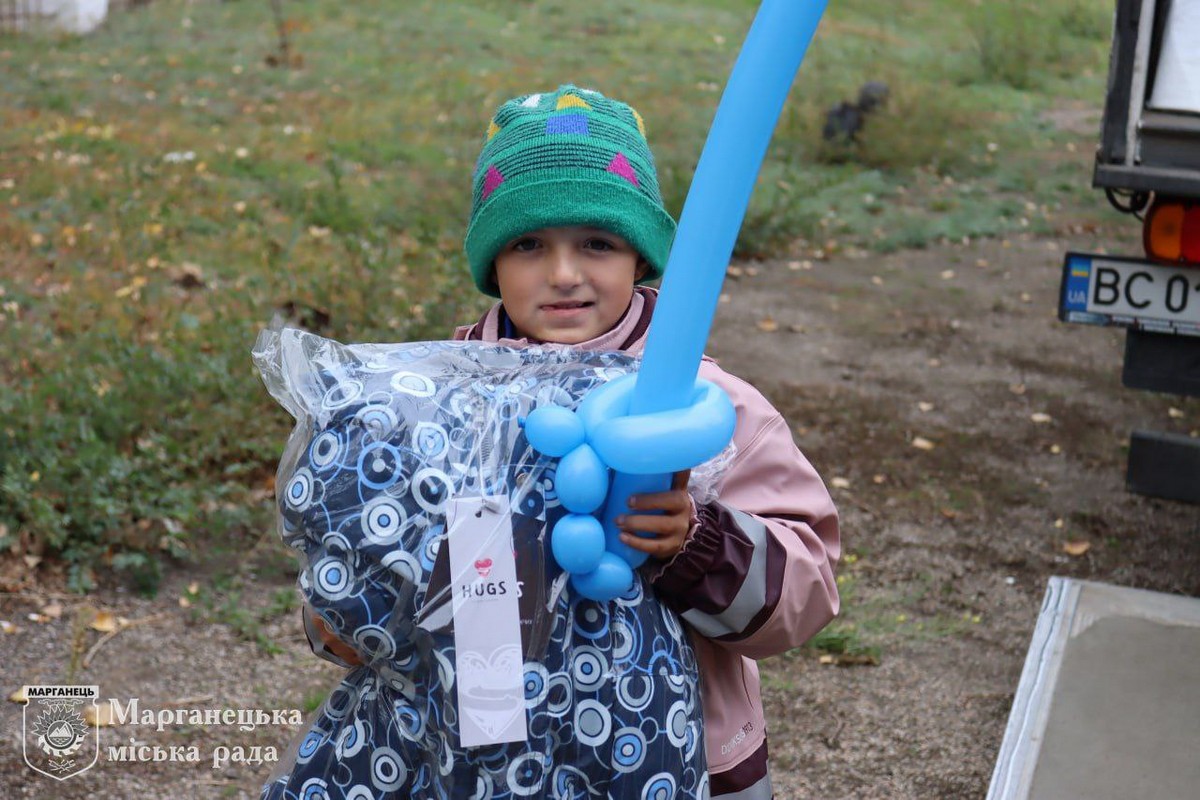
{"x": 172, "y": 183}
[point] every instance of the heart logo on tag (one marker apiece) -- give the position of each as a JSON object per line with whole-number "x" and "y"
{"x": 484, "y": 567}
{"x": 493, "y": 722}
{"x": 491, "y": 694}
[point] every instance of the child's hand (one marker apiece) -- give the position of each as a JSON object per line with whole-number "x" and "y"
{"x": 669, "y": 529}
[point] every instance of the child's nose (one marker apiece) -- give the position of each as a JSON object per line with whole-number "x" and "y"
{"x": 564, "y": 271}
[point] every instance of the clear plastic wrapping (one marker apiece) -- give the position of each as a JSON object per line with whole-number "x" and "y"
{"x": 386, "y": 437}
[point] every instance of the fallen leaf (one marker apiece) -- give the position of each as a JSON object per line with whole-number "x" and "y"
{"x": 768, "y": 325}
{"x": 1059, "y": 523}
{"x": 33, "y": 616}
{"x": 878, "y": 281}
{"x": 100, "y": 715}
{"x": 193, "y": 587}
{"x": 826, "y": 658}
{"x": 32, "y": 561}
{"x": 185, "y": 603}
{"x": 53, "y": 611}
{"x": 7, "y": 627}
{"x": 879, "y": 478}
{"x": 1017, "y": 388}
{"x": 925, "y": 406}
{"x": 1174, "y": 413}
{"x": 839, "y": 483}
{"x": 1076, "y": 548}
{"x": 921, "y": 443}
{"x": 104, "y": 622}
{"x": 734, "y": 272}
{"x": 1039, "y": 418}
{"x": 949, "y": 513}
{"x": 133, "y": 288}
{"x": 1055, "y": 449}
{"x": 18, "y": 696}
{"x": 947, "y": 274}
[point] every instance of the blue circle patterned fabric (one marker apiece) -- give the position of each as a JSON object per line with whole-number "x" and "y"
{"x": 385, "y": 435}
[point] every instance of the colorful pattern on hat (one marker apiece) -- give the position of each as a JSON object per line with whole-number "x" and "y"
{"x": 569, "y": 157}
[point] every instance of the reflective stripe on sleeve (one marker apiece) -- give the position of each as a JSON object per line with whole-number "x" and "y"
{"x": 751, "y": 597}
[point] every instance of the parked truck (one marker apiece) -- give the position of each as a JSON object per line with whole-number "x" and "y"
{"x": 1148, "y": 164}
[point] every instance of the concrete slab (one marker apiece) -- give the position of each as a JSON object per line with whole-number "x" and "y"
{"x": 1108, "y": 705}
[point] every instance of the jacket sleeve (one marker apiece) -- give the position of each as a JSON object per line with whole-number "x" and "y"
{"x": 756, "y": 575}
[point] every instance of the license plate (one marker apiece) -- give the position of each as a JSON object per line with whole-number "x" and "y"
{"x": 1109, "y": 290}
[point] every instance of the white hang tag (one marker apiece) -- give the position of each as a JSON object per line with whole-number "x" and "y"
{"x": 487, "y": 621}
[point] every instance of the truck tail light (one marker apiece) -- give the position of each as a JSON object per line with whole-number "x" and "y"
{"x": 1191, "y": 234}
{"x": 1172, "y": 231}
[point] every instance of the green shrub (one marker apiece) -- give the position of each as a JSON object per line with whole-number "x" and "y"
{"x": 1023, "y": 44}
{"x": 1088, "y": 20}
{"x": 118, "y": 454}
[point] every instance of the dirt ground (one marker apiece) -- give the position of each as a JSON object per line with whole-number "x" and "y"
{"x": 969, "y": 438}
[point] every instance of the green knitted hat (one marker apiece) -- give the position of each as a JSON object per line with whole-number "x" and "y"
{"x": 571, "y": 157}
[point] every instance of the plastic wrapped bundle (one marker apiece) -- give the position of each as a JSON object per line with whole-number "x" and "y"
{"x": 387, "y": 436}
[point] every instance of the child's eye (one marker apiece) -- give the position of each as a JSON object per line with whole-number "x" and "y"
{"x": 599, "y": 244}
{"x": 524, "y": 245}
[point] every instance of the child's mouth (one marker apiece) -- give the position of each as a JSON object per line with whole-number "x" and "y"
{"x": 566, "y": 308}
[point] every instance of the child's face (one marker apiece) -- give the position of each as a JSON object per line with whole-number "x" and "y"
{"x": 567, "y": 284}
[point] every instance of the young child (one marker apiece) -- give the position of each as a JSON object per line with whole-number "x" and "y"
{"x": 566, "y": 220}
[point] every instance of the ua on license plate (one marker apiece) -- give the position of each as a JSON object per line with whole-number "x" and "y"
{"x": 1108, "y": 290}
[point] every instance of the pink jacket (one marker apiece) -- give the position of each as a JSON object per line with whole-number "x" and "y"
{"x": 755, "y": 578}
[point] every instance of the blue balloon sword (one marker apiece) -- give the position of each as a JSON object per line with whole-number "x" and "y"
{"x": 666, "y": 385}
